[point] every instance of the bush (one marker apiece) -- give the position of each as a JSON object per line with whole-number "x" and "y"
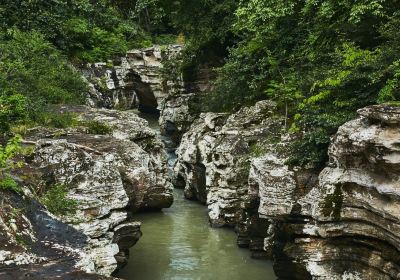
{"x": 52, "y": 119}
{"x": 9, "y": 183}
{"x": 33, "y": 74}
{"x": 8, "y": 163}
{"x": 96, "y": 127}
{"x": 13, "y": 109}
{"x": 32, "y": 67}
{"x": 56, "y": 201}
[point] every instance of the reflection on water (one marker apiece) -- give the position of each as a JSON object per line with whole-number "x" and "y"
{"x": 178, "y": 244}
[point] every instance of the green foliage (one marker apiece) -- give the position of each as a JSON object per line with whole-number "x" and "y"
{"x": 33, "y": 74}
{"x": 320, "y": 60}
{"x": 8, "y": 163}
{"x": 7, "y": 154}
{"x": 332, "y": 206}
{"x": 56, "y": 201}
{"x": 98, "y": 128}
{"x": 56, "y": 120}
{"x": 9, "y": 183}
{"x": 83, "y": 29}
{"x": 13, "y": 109}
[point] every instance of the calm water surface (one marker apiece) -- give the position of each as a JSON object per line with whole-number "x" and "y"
{"x": 179, "y": 244}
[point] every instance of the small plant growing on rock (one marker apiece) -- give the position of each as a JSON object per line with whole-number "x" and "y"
{"x": 56, "y": 201}
{"x": 9, "y": 183}
{"x": 8, "y": 163}
{"x": 99, "y": 128}
{"x": 50, "y": 119}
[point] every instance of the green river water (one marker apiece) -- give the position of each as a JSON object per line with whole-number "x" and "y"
{"x": 179, "y": 244}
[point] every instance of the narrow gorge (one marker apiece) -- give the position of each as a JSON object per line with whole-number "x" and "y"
{"x": 338, "y": 222}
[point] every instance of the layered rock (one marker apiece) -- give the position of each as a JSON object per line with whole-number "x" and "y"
{"x": 181, "y": 105}
{"x": 343, "y": 225}
{"x": 213, "y": 158}
{"x": 108, "y": 176}
{"x": 133, "y": 81}
{"x": 36, "y": 245}
{"x": 149, "y": 80}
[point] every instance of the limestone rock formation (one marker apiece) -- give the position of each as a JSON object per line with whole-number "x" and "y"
{"x": 213, "y": 158}
{"x": 36, "y": 245}
{"x": 149, "y": 80}
{"x": 343, "y": 225}
{"x": 109, "y": 176}
{"x": 180, "y": 107}
{"x": 133, "y": 81}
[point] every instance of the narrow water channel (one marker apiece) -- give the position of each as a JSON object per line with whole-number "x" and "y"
{"x": 179, "y": 244}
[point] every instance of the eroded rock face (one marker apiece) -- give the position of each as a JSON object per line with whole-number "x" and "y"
{"x": 133, "y": 81}
{"x": 180, "y": 107}
{"x": 345, "y": 224}
{"x": 212, "y": 159}
{"x": 36, "y": 245}
{"x": 149, "y": 80}
{"x": 109, "y": 176}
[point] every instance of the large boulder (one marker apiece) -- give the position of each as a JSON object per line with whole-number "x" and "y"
{"x": 37, "y": 245}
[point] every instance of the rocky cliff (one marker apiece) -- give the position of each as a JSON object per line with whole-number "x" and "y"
{"x": 342, "y": 224}
{"x": 149, "y": 80}
{"x": 135, "y": 80}
{"x": 338, "y": 223}
{"x": 213, "y": 158}
{"x": 109, "y": 175}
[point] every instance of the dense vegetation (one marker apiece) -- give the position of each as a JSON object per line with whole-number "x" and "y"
{"x": 40, "y": 43}
{"x": 320, "y": 60}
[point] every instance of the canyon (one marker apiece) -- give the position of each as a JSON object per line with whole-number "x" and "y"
{"x": 337, "y": 222}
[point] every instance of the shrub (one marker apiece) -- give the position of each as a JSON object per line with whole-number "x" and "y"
{"x": 33, "y": 74}
{"x": 56, "y": 201}
{"x": 8, "y": 163}
{"x": 52, "y": 119}
{"x": 9, "y": 183}
{"x": 99, "y": 128}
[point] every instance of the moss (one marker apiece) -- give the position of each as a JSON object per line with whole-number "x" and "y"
{"x": 19, "y": 238}
{"x": 333, "y": 203}
{"x": 256, "y": 150}
{"x": 110, "y": 64}
{"x": 393, "y": 103}
{"x": 102, "y": 84}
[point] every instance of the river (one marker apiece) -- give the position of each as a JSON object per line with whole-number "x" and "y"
{"x": 179, "y": 244}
